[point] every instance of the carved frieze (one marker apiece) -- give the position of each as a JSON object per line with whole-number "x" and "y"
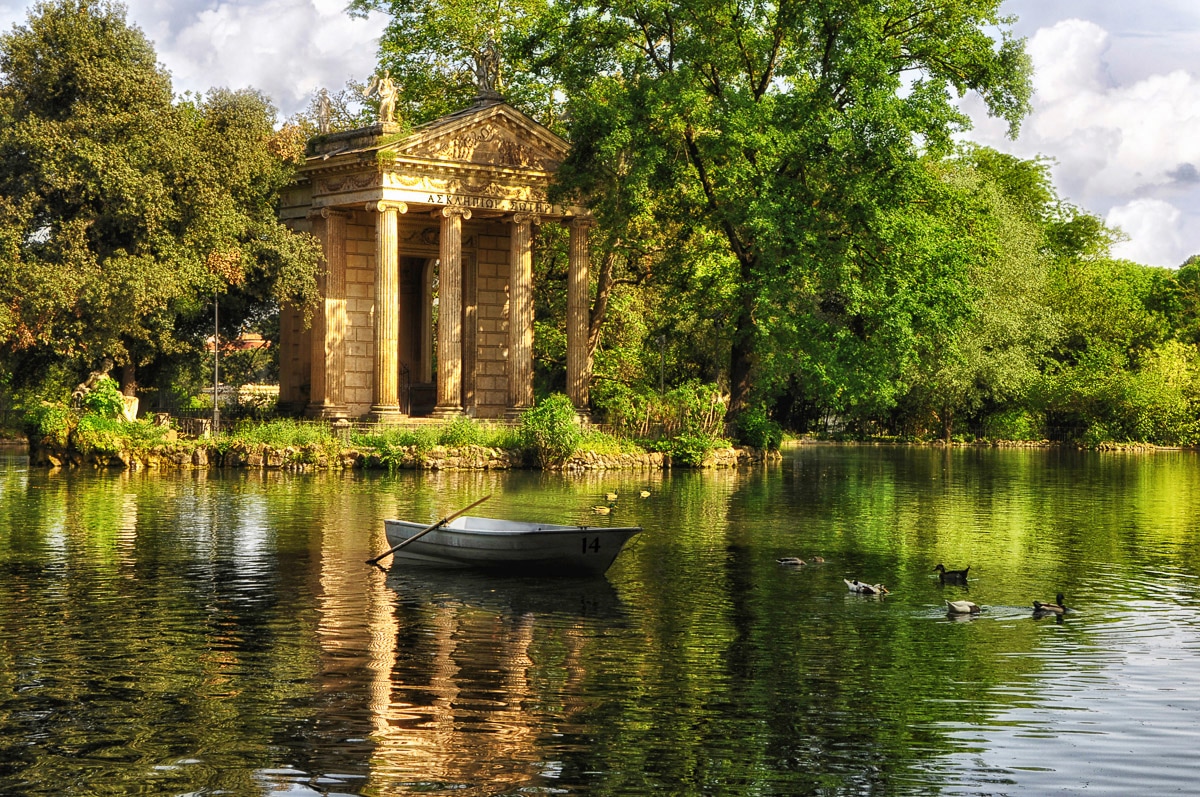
{"x": 348, "y": 182}
{"x": 488, "y": 144}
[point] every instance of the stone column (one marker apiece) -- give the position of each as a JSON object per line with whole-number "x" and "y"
{"x": 520, "y": 314}
{"x": 327, "y": 396}
{"x": 385, "y": 406}
{"x": 449, "y": 343}
{"x": 579, "y": 366}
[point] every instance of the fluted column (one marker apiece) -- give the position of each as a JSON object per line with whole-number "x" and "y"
{"x": 327, "y": 396}
{"x": 386, "y": 398}
{"x": 449, "y": 342}
{"x": 579, "y": 365}
{"x": 520, "y": 314}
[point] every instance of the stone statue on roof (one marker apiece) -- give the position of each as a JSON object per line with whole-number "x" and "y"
{"x": 385, "y": 88}
{"x": 487, "y": 73}
{"x": 324, "y": 112}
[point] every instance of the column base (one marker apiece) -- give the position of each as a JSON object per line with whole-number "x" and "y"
{"x": 385, "y": 413}
{"x": 447, "y": 411}
{"x": 330, "y": 411}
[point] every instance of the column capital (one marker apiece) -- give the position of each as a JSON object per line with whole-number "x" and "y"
{"x": 526, "y": 218}
{"x": 332, "y": 213}
{"x": 451, "y": 210}
{"x": 580, "y": 222}
{"x": 382, "y": 206}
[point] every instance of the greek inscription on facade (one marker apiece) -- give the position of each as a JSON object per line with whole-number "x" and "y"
{"x": 490, "y": 203}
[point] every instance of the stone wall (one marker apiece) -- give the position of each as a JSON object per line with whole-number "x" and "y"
{"x": 194, "y": 454}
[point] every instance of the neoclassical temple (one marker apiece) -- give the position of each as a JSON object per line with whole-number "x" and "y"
{"x": 427, "y": 289}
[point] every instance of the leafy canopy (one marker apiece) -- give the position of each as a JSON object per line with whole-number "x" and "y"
{"x": 122, "y": 212}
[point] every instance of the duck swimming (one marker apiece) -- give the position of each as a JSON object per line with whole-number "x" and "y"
{"x": 791, "y": 561}
{"x": 1058, "y": 607}
{"x": 956, "y": 576}
{"x": 961, "y": 607}
{"x": 865, "y": 589}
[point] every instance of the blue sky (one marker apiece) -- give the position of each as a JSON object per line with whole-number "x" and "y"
{"x": 1116, "y": 108}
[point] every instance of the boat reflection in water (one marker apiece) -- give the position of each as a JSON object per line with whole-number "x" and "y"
{"x": 488, "y": 671}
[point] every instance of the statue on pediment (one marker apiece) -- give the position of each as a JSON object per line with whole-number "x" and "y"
{"x": 385, "y": 88}
{"x": 487, "y": 73}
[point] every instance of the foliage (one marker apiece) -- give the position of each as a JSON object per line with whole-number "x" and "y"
{"x": 123, "y": 212}
{"x": 435, "y": 48}
{"x": 773, "y": 143}
{"x": 1013, "y": 424}
{"x": 50, "y": 421}
{"x": 689, "y": 449}
{"x": 551, "y": 429}
{"x": 105, "y": 399}
{"x": 692, "y": 407}
{"x": 756, "y": 429}
{"x": 282, "y": 433}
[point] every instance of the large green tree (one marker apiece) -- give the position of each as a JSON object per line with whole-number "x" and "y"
{"x": 122, "y": 211}
{"x": 791, "y": 134}
{"x": 436, "y": 49}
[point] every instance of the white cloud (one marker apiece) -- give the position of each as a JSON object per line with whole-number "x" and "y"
{"x": 284, "y": 48}
{"x": 1128, "y": 152}
{"x": 1154, "y": 228}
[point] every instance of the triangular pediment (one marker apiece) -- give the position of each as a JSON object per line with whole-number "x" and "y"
{"x": 495, "y": 135}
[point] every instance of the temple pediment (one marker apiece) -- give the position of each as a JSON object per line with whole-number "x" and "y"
{"x": 495, "y": 135}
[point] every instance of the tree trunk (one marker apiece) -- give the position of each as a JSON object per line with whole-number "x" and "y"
{"x": 742, "y": 353}
{"x": 129, "y": 379}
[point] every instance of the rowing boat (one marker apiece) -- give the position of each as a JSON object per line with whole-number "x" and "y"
{"x": 517, "y": 546}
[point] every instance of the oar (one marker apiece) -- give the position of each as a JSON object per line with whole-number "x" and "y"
{"x": 428, "y": 529}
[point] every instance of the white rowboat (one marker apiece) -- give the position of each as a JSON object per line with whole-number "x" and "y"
{"x": 510, "y": 545}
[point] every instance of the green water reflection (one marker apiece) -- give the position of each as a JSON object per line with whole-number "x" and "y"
{"x": 220, "y": 633}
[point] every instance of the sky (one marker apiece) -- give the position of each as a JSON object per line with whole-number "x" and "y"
{"x": 1116, "y": 104}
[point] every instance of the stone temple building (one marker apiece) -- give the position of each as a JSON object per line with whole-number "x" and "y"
{"x": 427, "y": 293}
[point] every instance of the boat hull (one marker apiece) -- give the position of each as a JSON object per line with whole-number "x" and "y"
{"x": 512, "y": 546}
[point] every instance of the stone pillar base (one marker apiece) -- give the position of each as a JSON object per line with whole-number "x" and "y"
{"x": 447, "y": 412}
{"x": 330, "y": 411}
{"x": 385, "y": 414}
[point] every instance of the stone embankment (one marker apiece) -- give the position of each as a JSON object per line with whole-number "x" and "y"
{"x": 308, "y": 458}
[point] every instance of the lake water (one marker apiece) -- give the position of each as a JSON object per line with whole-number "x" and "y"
{"x": 219, "y": 633}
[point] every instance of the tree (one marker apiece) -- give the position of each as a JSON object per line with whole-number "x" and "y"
{"x": 439, "y": 50}
{"x": 792, "y": 134}
{"x": 999, "y": 350}
{"x": 122, "y": 213}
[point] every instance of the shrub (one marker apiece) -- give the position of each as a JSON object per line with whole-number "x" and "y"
{"x": 51, "y": 422}
{"x": 690, "y": 450}
{"x": 283, "y": 433}
{"x": 105, "y": 399}
{"x": 551, "y": 429}
{"x": 756, "y": 429}
{"x": 98, "y": 434}
{"x": 461, "y": 432}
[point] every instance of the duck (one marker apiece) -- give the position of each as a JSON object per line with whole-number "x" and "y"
{"x": 961, "y": 607}
{"x": 820, "y": 560}
{"x": 610, "y": 497}
{"x": 1058, "y": 607}
{"x": 951, "y": 575}
{"x": 645, "y": 493}
{"x": 865, "y": 589}
{"x": 601, "y": 509}
{"x": 792, "y": 561}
